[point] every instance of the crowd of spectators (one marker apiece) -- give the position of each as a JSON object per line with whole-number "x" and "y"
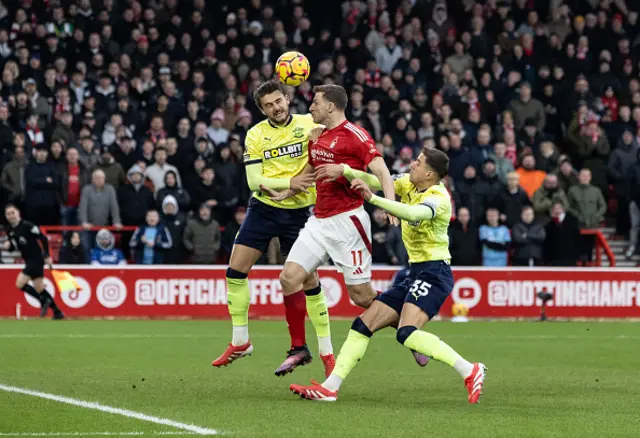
{"x": 133, "y": 113}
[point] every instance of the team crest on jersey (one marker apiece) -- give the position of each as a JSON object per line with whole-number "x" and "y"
{"x": 333, "y": 143}
{"x": 291, "y": 151}
{"x": 22, "y": 240}
{"x": 414, "y": 223}
{"x": 298, "y": 132}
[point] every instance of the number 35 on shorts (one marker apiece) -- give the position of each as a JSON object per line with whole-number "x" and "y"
{"x": 419, "y": 289}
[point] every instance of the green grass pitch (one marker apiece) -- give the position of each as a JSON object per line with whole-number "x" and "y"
{"x": 544, "y": 380}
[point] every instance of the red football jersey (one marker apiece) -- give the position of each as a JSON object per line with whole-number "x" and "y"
{"x": 344, "y": 144}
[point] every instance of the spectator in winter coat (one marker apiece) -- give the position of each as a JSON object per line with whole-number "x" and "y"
{"x": 42, "y": 185}
{"x": 134, "y": 199}
{"x": 504, "y": 166}
{"x": 175, "y": 221}
{"x": 206, "y": 192}
{"x": 586, "y": 202}
{"x": 151, "y": 241}
{"x": 530, "y": 178}
{"x": 171, "y": 188}
{"x": 74, "y": 177}
{"x": 216, "y": 131}
{"x": 98, "y": 203}
{"x": 202, "y": 237}
{"x": 526, "y": 107}
{"x": 64, "y": 130}
{"x": 72, "y": 252}
{"x": 545, "y": 196}
{"x": 528, "y": 240}
{"x": 470, "y": 195}
{"x": 159, "y": 169}
{"x": 389, "y": 54}
{"x": 489, "y": 184}
{"x": 379, "y": 228}
{"x": 547, "y": 157}
{"x": 104, "y": 253}
{"x": 124, "y": 152}
{"x": 495, "y": 240}
{"x": 464, "y": 240}
{"x": 511, "y": 200}
{"x": 12, "y": 178}
{"x": 114, "y": 174}
{"x": 621, "y": 163}
{"x": 561, "y": 246}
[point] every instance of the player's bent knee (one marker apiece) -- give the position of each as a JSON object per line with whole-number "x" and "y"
{"x": 403, "y": 333}
{"x": 236, "y": 275}
{"x": 363, "y": 300}
{"x": 360, "y": 327}
{"x": 289, "y": 282}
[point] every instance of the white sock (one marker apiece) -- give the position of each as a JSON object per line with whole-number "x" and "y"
{"x": 463, "y": 367}
{"x": 240, "y": 335}
{"x": 332, "y": 383}
{"x": 324, "y": 345}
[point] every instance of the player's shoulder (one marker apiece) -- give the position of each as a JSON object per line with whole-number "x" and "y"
{"x": 30, "y": 226}
{"x": 438, "y": 190}
{"x": 307, "y": 119}
{"x": 258, "y": 128}
{"x": 356, "y": 133}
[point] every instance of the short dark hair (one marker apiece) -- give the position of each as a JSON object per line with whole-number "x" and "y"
{"x": 267, "y": 88}
{"x": 335, "y": 94}
{"x": 437, "y": 160}
{"x": 10, "y": 205}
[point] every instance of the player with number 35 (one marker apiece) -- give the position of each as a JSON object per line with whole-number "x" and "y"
{"x": 425, "y": 210}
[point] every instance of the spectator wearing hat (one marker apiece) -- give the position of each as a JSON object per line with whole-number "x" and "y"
{"x": 526, "y": 107}
{"x": 157, "y": 171}
{"x": 622, "y": 161}
{"x": 530, "y": 178}
{"x": 530, "y": 138}
{"x": 114, "y": 174}
{"x": 528, "y": 240}
{"x": 42, "y": 185}
{"x": 546, "y": 196}
{"x": 176, "y": 222}
{"x": 173, "y": 188}
{"x": 216, "y": 131}
{"x": 202, "y": 237}
{"x": 74, "y": 176}
{"x": 105, "y": 93}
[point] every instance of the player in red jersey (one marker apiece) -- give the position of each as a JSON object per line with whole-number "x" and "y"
{"x": 340, "y": 228}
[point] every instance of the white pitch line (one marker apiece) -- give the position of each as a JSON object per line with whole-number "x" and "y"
{"x": 91, "y": 433}
{"x": 111, "y": 410}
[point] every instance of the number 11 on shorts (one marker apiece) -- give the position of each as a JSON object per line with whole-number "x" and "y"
{"x": 357, "y": 257}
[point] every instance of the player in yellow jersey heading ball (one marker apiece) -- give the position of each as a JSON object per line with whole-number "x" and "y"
{"x": 425, "y": 210}
{"x": 275, "y": 155}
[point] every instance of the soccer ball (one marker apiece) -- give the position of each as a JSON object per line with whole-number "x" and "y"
{"x": 459, "y": 309}
{"x": 292, "y": 68}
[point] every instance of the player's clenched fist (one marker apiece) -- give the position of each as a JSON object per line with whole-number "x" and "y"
{"x": 362, "y": 188}
{"x": 329, "y": 172}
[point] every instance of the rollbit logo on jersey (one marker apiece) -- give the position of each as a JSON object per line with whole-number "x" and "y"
{"x": 292, "y": 150}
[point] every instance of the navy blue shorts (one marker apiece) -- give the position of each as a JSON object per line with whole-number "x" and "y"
{"x": 264, "y": 222}
{"x": 427, "y": 286}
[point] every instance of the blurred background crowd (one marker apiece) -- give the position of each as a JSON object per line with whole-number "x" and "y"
{"x": 132, "y": 113}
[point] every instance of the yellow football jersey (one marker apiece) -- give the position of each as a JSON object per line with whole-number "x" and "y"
{"x": 283, "y": 152}
{"x": 426, "y": 240}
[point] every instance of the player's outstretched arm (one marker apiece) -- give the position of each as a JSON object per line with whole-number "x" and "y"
{"x": 371, "y": 180}
{"x": 255, "y": 178}
{"x": 406, "y": 212}
{"x": 379, "y": 169}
